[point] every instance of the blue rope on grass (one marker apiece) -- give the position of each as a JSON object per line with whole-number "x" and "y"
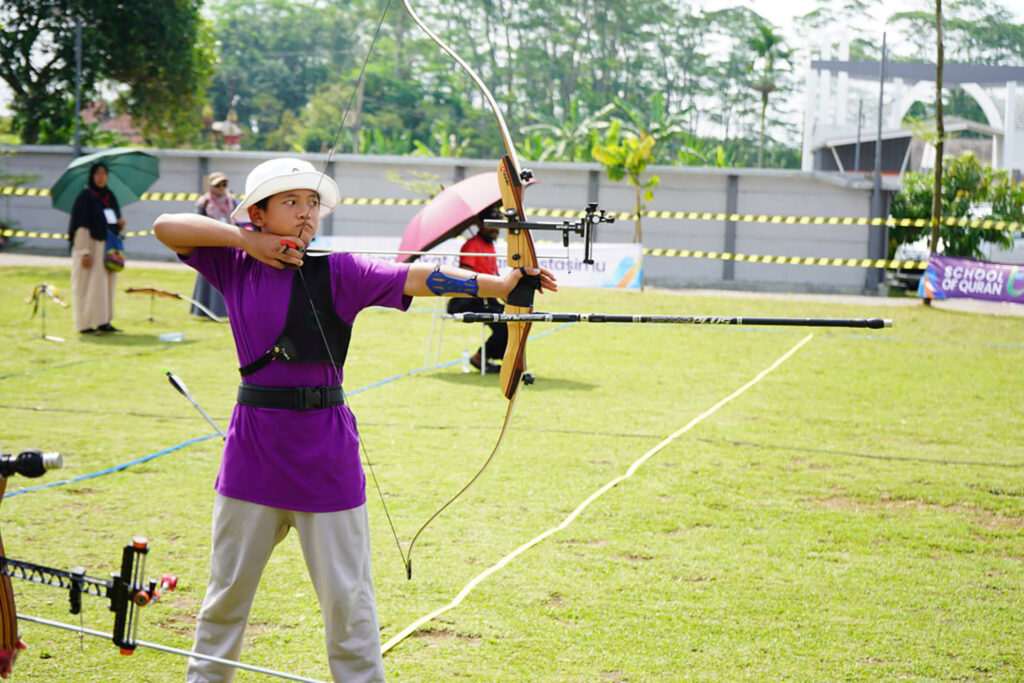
{"x": 115, "y": 468}
{"x": 151, "y": 456}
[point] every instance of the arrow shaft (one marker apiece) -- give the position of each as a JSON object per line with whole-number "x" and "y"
{"x": 874, "y": 323}
{"x": 314, "y": 252}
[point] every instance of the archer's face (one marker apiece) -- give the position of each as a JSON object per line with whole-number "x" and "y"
{"x": 288, "y": 212}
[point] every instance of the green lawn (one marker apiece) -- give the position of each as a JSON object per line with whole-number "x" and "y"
{"x": 854, "y": 515}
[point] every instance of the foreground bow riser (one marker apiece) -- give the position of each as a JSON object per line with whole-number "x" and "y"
{"x": 873, "y": 323}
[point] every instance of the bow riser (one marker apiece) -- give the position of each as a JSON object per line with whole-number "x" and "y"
{"x": 521, "y": 254}
{"x": 8, "y": 613}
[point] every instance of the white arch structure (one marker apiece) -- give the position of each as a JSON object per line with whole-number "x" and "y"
{"x": 994, "y": 88}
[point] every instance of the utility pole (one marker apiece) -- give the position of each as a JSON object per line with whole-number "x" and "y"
{"x": 940, "y": 133}
{"x": 78, "y": 82}
{"x": 876, "y": 233}
{"x": 876, "y": 190}
{"x": 860, "y": 123}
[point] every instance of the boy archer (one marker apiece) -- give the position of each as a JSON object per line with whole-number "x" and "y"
{"x": 291, "y": 457}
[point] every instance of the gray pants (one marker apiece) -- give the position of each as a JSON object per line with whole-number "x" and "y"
{"x": 336, "y": 546}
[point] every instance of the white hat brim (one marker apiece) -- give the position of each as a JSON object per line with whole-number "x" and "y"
{"x": 306, "y": 180}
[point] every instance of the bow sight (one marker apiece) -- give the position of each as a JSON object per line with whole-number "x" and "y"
{"x": 126, "y": 590}
{"x": 583, "y": 226}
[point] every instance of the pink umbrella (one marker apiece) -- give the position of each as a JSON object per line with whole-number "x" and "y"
{"x": 449, "y": 213}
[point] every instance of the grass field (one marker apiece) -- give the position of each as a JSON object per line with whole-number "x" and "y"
{"x": 856, "y": 514}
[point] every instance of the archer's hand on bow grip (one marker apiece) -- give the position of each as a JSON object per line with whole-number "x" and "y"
{"x": 8, "y": 657}
{"x": 525, "y": 282}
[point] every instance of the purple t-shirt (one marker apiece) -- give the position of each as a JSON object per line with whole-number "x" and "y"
{"x": 296, "y": 460}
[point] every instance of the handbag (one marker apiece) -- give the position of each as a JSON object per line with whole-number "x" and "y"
{"x": 113, "y": 255}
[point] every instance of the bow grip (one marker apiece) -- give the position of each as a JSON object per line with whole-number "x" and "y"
{"x": 522, "y": 293}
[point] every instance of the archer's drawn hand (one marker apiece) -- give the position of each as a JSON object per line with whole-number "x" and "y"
{"x": 86, "y": 263}
{"x": 7, "y": 658}
{"x": 512, "y": 278}
{"x": 267, "y": 247}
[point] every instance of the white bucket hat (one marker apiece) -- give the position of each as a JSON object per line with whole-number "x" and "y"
{"x": 278, "y": 175}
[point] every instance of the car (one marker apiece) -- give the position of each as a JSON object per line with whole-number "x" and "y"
{"x": 908, "y": 278}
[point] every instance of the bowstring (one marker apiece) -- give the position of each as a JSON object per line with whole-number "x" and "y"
{"x": 316, "y": 316}
{"x": 362, "y": 445}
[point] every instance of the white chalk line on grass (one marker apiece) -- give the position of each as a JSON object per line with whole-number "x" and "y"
{"x": 411, "y": 628}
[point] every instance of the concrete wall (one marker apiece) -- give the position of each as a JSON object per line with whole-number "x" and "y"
{"x": 561, "y": 186}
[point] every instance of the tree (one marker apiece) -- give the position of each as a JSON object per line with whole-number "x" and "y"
{"x": 853, "y": 19}
{"x": 976, "y": 32}
{"x": 274, "y": 55}
{"x": 165, "y": 78}
{"x": 627, "y": 156}
{"x": 771, "y": 54}
{"x": 571, "y": 138}
{"x": 967, "y": 187}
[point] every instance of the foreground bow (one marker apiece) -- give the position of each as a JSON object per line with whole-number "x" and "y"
{"x": 127, "y": 591}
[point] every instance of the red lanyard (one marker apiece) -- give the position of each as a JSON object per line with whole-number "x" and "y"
{"x": 104, "y": 199}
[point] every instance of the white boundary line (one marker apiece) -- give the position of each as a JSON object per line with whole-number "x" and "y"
{"x": 408, "y": 630}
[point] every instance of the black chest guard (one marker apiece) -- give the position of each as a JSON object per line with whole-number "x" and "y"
{"x": 301, "y": 341}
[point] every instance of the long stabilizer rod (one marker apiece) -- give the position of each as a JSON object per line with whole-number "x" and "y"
{"x": 171, "y": 650}
{"x": 874, "y": 323}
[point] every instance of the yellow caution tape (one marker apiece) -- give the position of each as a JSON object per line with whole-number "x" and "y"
{"x": 674, "y": 253}
{"x": 39, "y": 234}
{"x": 789, "y": 260}
{"x": 980, "y": 223}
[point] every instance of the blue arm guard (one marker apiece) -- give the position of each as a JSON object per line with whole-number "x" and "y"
{"x": 439, "y": 283}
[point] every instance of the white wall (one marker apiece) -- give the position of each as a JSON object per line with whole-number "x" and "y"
{"x": 560, "y": 186}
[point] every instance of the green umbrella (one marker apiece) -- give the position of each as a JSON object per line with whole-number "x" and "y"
{"x": 131, "y": 173}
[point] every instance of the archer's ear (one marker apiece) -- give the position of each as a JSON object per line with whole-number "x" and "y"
{"x": 256, "y": 216}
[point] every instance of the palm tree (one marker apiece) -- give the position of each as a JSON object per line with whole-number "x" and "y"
{"x": 568, "y": 138}
{"x": 772, "y": 54}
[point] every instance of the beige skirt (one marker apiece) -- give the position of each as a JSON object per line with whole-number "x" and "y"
{"x": 92, "y": 289}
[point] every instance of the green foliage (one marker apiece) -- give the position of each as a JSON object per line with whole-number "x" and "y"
{"x": 853, "y": 17}
{"x": 955, "y": 102}
{"x": 420, "y": 183}
{"x": 973, "y": 32}
{"x": 165, "y": 78}
{"x": 768, "y": 67}
{"x": 1005, "y": 196}
{"x": 627, "y": 155}
{"x": 568, "y": 139}
{"x": 275, "y": 55}
{"x": 442, "y": 143}
{"x": 966, "y": 187}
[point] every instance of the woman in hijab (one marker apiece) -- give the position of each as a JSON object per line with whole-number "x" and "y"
{"x": 217, "y": 203}
{"x": 92, "y": 286}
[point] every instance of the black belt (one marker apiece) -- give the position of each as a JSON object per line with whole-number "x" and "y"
{"x": 290, "y": 398}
